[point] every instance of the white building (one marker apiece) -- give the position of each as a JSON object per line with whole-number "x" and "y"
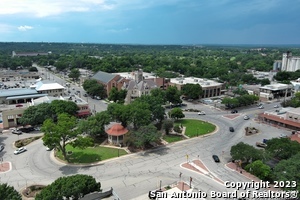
{"x": 290, "y": 63}
{"x": 275, "y": 91}
{"x": 210, "y": 88}
{"x": 48, "y": 87}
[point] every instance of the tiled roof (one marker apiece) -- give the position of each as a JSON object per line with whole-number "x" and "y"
{"x": 103, "y": 76}
{"x": 281, "y": 120}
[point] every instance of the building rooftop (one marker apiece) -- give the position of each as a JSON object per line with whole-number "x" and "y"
{"x": 103, "y": 76}
{"x": 276, "y": 86}
{"x": 46, "y": 85}
{"x": 17, "y": 92}
{"x": 193, "y": 80}
{"x": 49, "y": 99}
{"x": 131, "y": 75}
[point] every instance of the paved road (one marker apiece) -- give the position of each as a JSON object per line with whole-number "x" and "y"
{"x": 98, "y": 105}
{"x": 132, "y": 176}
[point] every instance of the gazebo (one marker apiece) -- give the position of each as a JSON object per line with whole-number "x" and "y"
{"x": 116, "y": 134}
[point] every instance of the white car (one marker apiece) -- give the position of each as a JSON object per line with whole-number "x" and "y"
{"x": 283, "y": 135}
{"x": 20, "y": 150}
{"x": 260, "y": 107}
{"x": 246, "y": 117}
{"x": 276, "y": 106}
{"x": 201, "y": 113}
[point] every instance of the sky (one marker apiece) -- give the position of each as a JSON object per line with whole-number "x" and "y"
{"x": 151, "y": 21}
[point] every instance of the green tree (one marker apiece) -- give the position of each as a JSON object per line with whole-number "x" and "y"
{"x": 167, "y": 125}
{"x": 159, "y": 94}
{"x": 176, "y": 113}
{"x": 144, "y": 136}
{"x": 33, "y": 69}
{"x": 173, "y": 95}
{"x": 192, "y": 91}
{"x": 120, "y": 113}
{"x": 282, "y": 148}
{"x": 35, "y": 115}
{"x": 117, "y": 96}
{"x": 245, "y": 152}
{"x": 9, "y": 193}
{"x": 74, "y": 187}
{"x": 259, "y": 169}
{"x": 93, "y": 88}
{"x": 140, "y": 115}
{"x": 265, "y": 81}
{"x": 74, "y": 74}
{"x": 58, "y": 134}
{"x": 155, "y": 106}
{"x": 61, "y": 106}
{"x": 288, "y": 170}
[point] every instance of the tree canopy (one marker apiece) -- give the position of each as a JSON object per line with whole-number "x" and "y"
{"x": 57, "y": 134}
{"x": 75, "y": 187}
{"x": 245, "y": 152}
{"x": 93, "y": 88}
{"x": 143, "y": 136}
{"x": 9, "y": 193}
{"x": 192, "y": 91}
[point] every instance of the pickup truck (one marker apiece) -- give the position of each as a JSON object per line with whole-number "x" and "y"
{"x": 261, "y": 144}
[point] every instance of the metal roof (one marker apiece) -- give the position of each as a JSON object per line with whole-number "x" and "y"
{"x": 103, "y": 76}
{"x": 26, "y": 96}
{"x": 17, "y": 92}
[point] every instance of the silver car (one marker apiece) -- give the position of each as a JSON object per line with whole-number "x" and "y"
{"x": 20, "y": 150}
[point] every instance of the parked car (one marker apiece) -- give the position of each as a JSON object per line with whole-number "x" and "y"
{"x": 260, "y": 107}
{"x": 20, "y": 150}
{"x": 216, "y": 158}
{"x": 85, "y": 95}
{"x": 265, "y": 141}
{"x": 231, "y": 129}
{"x": 261, "y": 144}
{"x": 16, "y": 131}
{"x": 1, "y": 148}
{"x": 27, "y": 129}
{"x": 201, "y": 113}
{"x": 276, "y": 106}
{"x": 283, "y": 135}
{"x": 234, "y": 111}
{"x": 246, "y": 117}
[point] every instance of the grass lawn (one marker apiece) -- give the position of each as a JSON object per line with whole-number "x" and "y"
{"x": 172, "y": 138}
{"x": 91, "y": 154}
{"x": 196, "y": 127}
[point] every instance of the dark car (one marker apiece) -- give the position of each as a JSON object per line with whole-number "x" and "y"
{"x": 231, "y": 129}
{"x": 216, "y": 158}
{"x": 27, "y": 129}
{"x": 234, "y": 111}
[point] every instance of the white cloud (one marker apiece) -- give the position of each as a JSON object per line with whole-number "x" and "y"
{"x": 119, "y": 30}
{"x": 24, "y": 28}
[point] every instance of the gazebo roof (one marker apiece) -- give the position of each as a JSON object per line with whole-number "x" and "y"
{"x": 116, "y": 130}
